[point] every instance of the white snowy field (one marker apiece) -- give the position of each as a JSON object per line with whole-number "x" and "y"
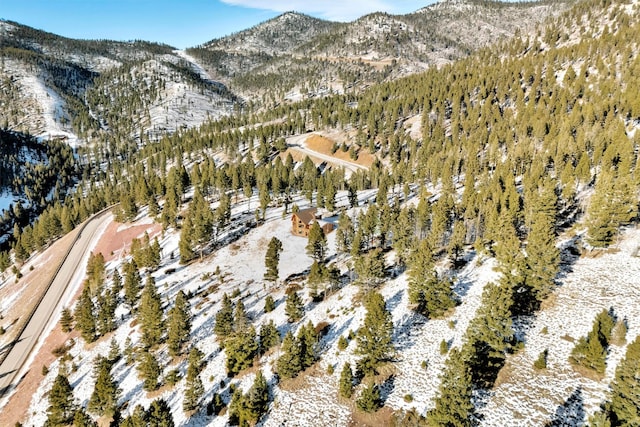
{"x": 525, "y": 398}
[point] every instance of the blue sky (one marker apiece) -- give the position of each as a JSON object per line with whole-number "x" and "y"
{"x": 179, "y": 23}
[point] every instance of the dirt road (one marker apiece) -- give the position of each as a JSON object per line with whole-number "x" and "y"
{"x": 297, "y": 143}
{"x": 22, "y": 347}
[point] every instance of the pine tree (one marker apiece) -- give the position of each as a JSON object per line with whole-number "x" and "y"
{"x": 107, "y": 304}
{"x": 269, "y": 304}
{"x": 288, "y": 364}
{"x": 294, "y": 308}
{"x": 185, "y": 245}
{"x": 611, "y": 206}
{"x": 95, "y": 272}
{"x": 84, "y": 315}
{"x": 369, "y": 400}
{"x": 116, "y": 283}
{"x": 271, "y": 260}
{"x": 543, "y": 257}
{"x": 269, "y": 336}
{"x": 224, "y": 318}
{"x": 159, "y": 414}
{"x": 114, "y": 352}
{"x": 591, "y": 351}
{"x": 66, "y": 320}
{"x": 61, "y": 406}
{"x": 104, "y": 399}
{"x": 236, "y": 407}
{"x": 241, "y": 348}
{"x": 317, "y": 244}
{"x": 490, "y": 334}
{"x": 178, "y": 325}
{"x": 344, "y": 234}
{"x": 240, "y": 319}
{"x": 307, "y": 340}
{"x": 317, "y": 275}
{"x": 345, "y": 385}
{"x": 375, "y": 336}
{"x": 431, "y": 295}
{"x": 194, "y": 390}
{"x": 453, "y": 405}
{"x": 456, "y": 243}
{"x": 370, "y": 268}
{"x": 150, "y": 314}
{"x": 256, "y": 401}
{"x": 132, "y": 284}
{"x": 625, "y": 390}
{"x": 82, "y": 419}
{"x": 149, "y": 369}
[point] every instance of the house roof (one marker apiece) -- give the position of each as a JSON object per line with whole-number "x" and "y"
{"x": 307, "y": 215}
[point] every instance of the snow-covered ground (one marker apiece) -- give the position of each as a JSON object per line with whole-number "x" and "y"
{"x": 596, "y": 282}
{"x": 524, "y": 398}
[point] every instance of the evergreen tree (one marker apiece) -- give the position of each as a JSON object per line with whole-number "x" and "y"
{"x": 344, "y": 234}
{"x": 95, "y": 272}
{"x": 317, "y": 275}
{"x": 345, "y": 385}
{"x": 149, "y": 369}
{"x": 256, "y": 401}
{"x": 178, "y": 325}
{"x": 66, "y": 320}
{"x": 490, "y": 334}
{"x": 543, "y": 257}
{"x": 625, "y": 390}
{"x": 611, "y": 206}
{"x": 369, "y": 400}
{"x": 294, "y": 308}
{"x": 150, "y": 314}
{"x": 104, "y": 399}
{"x": 375, "y": 336}
{"x": 224, "y": 318}
{"x": 194, "y": 390}
{"x": 185, "y": 245}
{"x": 107, "y": 304}
{"x": 453, "y": 405}
{"x": 159, "y": 414}
{"x": 271, "y": 260}
{"x": 82, "y": 419}
{"x": 240, "y": 319}
{"x": 317, "y": 244}
{"x": 132, "y": 284}
{"x": 241, "y": 348}
{"x": 116, "y": 283}
{"x": 84, "y": 315}
{"x": 269, "y": 336}
{"x": 61, "y": 406}
{"x": 431, "y": 295}
{"x": 307, "y": 341}
{"x": 370, "y": 268}
{"x": 269, "y": 304}
{"x": 288, "y": 364}
{"x": 591, "y": 351}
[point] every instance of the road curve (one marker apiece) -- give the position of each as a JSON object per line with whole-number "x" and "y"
{"x": 297, "y": 143}
{"x": 23, "y": 345}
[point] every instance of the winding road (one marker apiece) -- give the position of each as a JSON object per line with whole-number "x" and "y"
{"x": 297, "y": 143}
{"x": 23, "y": 345}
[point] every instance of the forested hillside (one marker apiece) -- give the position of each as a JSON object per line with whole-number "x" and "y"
{"x": 483, "y": 269}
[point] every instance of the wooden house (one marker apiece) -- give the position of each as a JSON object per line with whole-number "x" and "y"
{"x": 302, "y": 221}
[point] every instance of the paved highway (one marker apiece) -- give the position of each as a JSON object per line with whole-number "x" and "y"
{"x": 15, "y": 360}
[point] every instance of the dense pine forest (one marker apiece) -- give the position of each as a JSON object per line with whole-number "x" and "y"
{"x": 522, "y": 155}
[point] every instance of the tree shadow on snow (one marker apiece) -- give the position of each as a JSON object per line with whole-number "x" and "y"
{"x": 571, "y": 413}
